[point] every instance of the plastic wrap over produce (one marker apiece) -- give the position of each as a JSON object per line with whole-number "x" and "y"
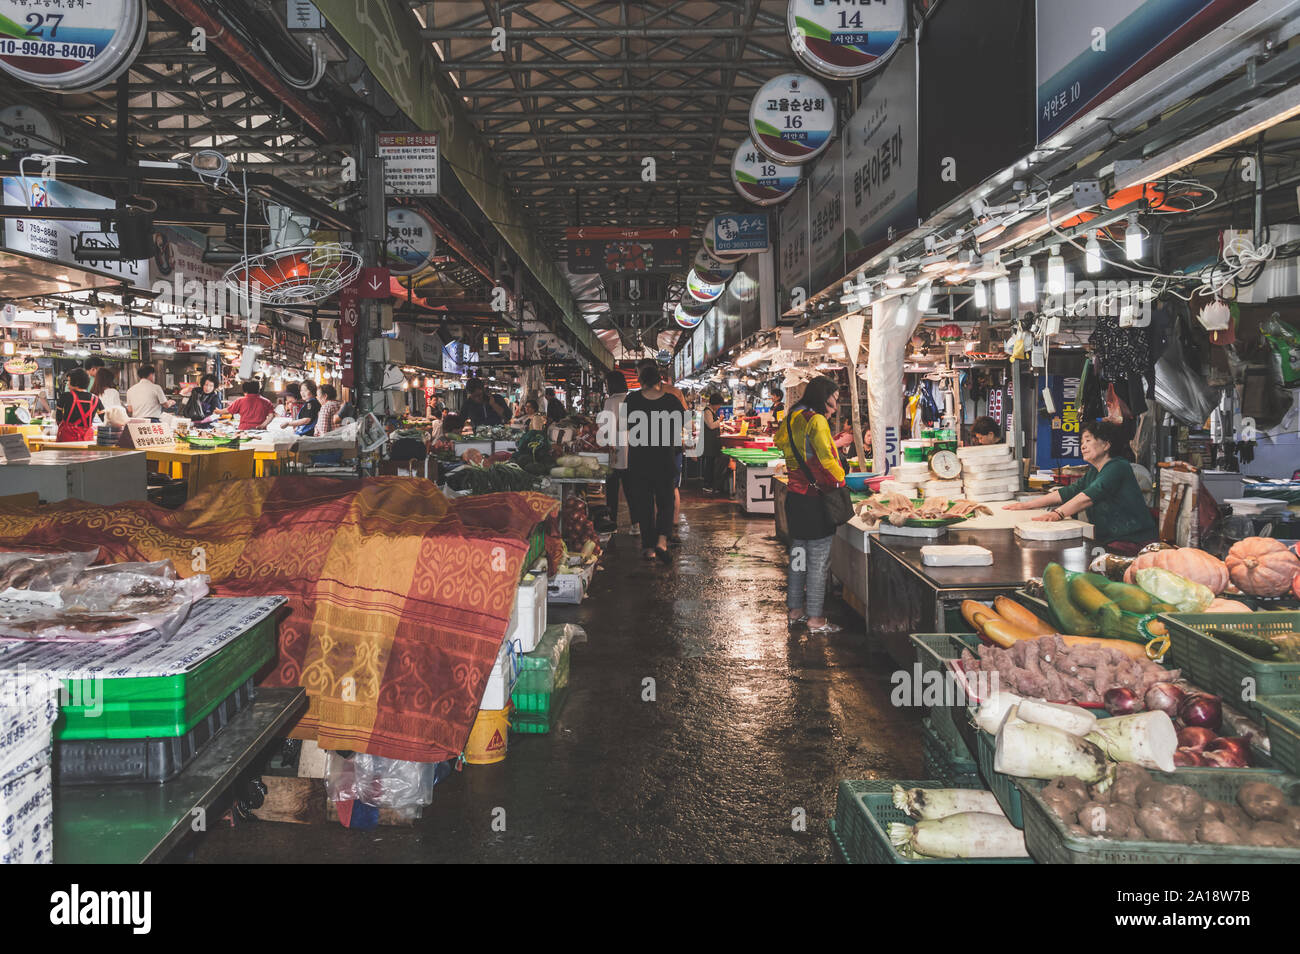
{"x": 381, "y": 782}
{"x": 892, "y": 324}
{"x": 1180, "y": 389}
{"x": 58, "y": 597}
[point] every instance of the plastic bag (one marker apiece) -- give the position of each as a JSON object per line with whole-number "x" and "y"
{"x": 380, "y": 782}
{"x": 1169, "y": 587}
{"x": 29, "y": 570}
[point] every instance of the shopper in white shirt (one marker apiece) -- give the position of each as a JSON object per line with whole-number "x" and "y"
{"x": 145, "y": 398}
{"x": 611, "y": 424}
{"x": 105, "y": 388}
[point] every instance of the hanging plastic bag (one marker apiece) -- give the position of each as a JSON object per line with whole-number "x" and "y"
{"x": 1284, "y": 341}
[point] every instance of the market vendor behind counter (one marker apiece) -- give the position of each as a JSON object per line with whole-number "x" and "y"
{"x": 1109, "y": 492}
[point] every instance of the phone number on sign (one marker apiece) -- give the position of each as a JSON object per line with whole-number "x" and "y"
{"x": 49, "y": 51}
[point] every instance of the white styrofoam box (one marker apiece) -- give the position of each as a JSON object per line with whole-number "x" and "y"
{"x": 528, "y": 621}
{"x": 993, "y": 485}
{"x": 958, "y": 555}
{"x": 387, "y": 350}
{"x": 930, "y": 533}
{"x": 565, "y": 588}
{"x": 910, "y": 473}
{"x": 483, "y": 447}
{"x": 942, "y": 488}
{"x": 27, "y": 812}
{"x": 1053, "y": 530}
{"x": 986, "y": 452}
{"x": 898, "y": 487}
{"x": 982, "y": 468}
{"x": 991, "y": 497}
{"x": 502, "y": 678}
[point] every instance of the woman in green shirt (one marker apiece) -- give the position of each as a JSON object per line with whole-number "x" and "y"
{"x": 1109, "y": 491}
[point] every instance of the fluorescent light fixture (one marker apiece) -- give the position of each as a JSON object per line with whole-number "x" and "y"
{"x": 1056, "y": 273}
{"x": 1028, "y": 283}
{"x": 981, "y": 295}
{"x": 1133, "y": 239}
{"x": 988, "y": 231}
{"x": 1093, "y": 254}
{"x": 850, "y": 293}
{"x": 923, "y": 299}
{"x": 934, "y": 264}
{"x": 864, "y": 294}
{"x": 894, "y": 278}
{"x": 1002, "y": 292}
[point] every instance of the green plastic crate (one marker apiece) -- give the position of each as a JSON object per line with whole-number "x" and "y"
{"x": 864, "y": 810}
{"x": 1049, "y": 842}
{"x": 1221, "y": 668}
{"x": 956, "y": 768}
{"x": 164, "y": 706}
{"x": 539, "y": 723}
{"x": 1281, "y": 715}
{"x": 933, "y": 650}
{"x": 536, "y": 549}
{"x": 1003, "y": 786}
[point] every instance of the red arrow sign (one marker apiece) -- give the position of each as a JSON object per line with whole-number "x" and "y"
{"x": 374, "y": 283}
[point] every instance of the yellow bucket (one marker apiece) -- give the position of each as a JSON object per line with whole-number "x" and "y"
{"x": 488, "y": 739}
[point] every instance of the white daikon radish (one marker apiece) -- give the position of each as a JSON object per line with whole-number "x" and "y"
{"x": 929, "y": 803}
{"x": 1043, "y": 751}
{"x": 1147, "y": 738}
{"x": 994, "y": 709}
{"x": 1071, "y": 719}
{"x": 967, "y": 835}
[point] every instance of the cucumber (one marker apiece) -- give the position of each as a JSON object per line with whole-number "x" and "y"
{"x": 1131, "y": 599}
{"x": 1087, "y": 597}
{"x": 1068, "y": 617}
{"x": 1248, "y": 643}
{"x": 1096, "y": 579}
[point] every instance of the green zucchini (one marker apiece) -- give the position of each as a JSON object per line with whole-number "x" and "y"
{"x": 1068, "y": 617}
{"x": 1131, "y": 599}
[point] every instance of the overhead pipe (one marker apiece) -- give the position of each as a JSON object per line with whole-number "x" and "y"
{"x": 196, "y": 13}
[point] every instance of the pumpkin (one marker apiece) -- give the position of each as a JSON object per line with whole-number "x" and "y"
{"x": 1263, "y": 566}
{"x": 1188, "y": 562}
{"x": 1227, "y": 606}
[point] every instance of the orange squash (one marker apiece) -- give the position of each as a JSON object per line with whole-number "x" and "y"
{"x": 1263, "y": 566}
{"x": 1188, "y": 562}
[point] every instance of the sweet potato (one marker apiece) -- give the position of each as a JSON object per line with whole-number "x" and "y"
{"x": 1079, "y": 831}
{"x": 1159, "y": 824}
{"x": 1269, "y": 834}
{"x": 1262, "y": 801}
{"x": 1234, "y": 817}
{"x": 1293, "y": 818}
{"x": 1066, "y": 796}
{"x": 1213, "y": 832}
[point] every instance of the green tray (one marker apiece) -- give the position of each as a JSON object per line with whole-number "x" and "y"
{"x": 1281, "y": 715}
{"x": 208, "y": 443}
{"x": 863, "y": 813}
{"x": 952, "y": 765}
{"x": 1222, "y": 669}
{"x": 150, "y": 707}
{"x": 933, "y": 650}
{"x": 540, "y": 722}
{"x": 1050, "y": 843}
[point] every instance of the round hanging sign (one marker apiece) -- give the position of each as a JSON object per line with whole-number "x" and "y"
{"x": 73, "y": 47}
{"x": 685, "y": 319}
{"x": 25, "y": 129}
{"x": 711, "y": 268}
{"x": 846, "y": 39}
{"x": 701, "y": 290}
{"x": 411, "y": 241}
{"x": 711, "y": 246}
{"x": 759, "y": 179}
{"x": 791, "y": 118}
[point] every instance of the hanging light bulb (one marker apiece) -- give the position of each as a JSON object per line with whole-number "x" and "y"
{"x": 894, "y": 278}
{"x": 1002, "y": 292}
{"x": 1133, "y": 238}
{"x": 981, "y": 295}
{"x": 864, "y": 293}
{"x": 1093, "y": 254}
{"x": 923, "y": 299}
{"x": 1028, "y": 283}
{"x": 1056, "y": 273}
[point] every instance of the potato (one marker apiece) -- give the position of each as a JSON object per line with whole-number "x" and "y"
{"x": 1079, "y": 832}
{"x": 1269, "y": 834}
{"x": 1185, "y": 803}
{"x": 1066, "y": 799}
{"x": 1159, "y": 824}
{"x": 1092, "y": 818}
{"x": 1128, "y": 777}
{"x": 1293, "y": 818}
{"x": 1262, "y": 801}
{"x": 1234, "y": 817}
{"x": 1212, "y": 811}
{"x": 1113, "y": 820}
{"x": 1217, "y": 833}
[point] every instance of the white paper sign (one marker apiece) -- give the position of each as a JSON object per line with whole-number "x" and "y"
{"x": 410, "y": 163}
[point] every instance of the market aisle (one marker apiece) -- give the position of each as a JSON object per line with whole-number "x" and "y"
{"x": 748, "y": 724}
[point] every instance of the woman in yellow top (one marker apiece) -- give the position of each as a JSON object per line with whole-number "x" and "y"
{"x": 815, "y": 467}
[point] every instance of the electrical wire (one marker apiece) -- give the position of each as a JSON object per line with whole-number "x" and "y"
{"x": 41, "y": 157}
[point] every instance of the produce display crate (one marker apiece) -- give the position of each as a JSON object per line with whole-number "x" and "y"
{"x": 1221, "y": 668}
{"x": 933, "y": 650}
{"x": 1004, "y": 787}
{"x": 863, "y": 813}
{"x": 1281, "y": 715}
{"x": 536, "y": 549}
{"x": 955, "y": 767}
{"x": 164, "y": 706}
{"x": 107, "y": 761}
{"x": 539, "y": 723}
{"x": 1049, "y": 842}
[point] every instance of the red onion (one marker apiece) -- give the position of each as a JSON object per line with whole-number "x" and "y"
{"x": 1120, "y": 701}
{"x": 1202, "y": 710}
{"x": 1224, "y": 759}
{"x": 1166, "y": 697}
{"x": 1195, "y": 738}
{"x": 1237, "y": 746}
{"x": 1185, "y": 757}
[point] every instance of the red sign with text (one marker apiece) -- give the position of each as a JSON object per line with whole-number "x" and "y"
{"x": 349, "y": 316}
{"x": 374, "y": 283}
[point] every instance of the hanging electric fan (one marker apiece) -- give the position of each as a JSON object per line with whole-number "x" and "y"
{"x": 293, "y": 269}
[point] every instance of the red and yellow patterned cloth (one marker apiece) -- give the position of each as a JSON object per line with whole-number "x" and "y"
{"x": 399, "y": 597}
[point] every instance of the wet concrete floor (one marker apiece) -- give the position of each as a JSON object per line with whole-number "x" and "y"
{"x": 749, "y": 724}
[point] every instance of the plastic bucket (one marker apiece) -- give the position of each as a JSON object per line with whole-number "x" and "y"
{"x": 487, "y": 739}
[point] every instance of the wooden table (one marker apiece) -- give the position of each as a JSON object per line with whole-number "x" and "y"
{"x": 134, "y": 824}
{"x": 202, "y": 467}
